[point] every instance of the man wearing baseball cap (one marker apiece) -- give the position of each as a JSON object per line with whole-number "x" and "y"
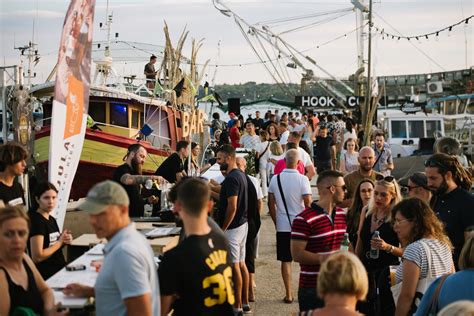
{"x": 127, "y": 283}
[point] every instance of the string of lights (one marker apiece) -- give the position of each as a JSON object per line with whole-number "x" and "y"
{"x": 421, "y": 36}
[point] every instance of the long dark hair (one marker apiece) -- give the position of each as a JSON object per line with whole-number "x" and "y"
{"x": 446, "y": 163}
{"x": 353, "y": 216}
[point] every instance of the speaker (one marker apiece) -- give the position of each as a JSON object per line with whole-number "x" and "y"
{"x": 426, "y": 144}
{"x": 234, "y": 105}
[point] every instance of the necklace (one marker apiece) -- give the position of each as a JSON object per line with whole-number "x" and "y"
{"x": 378, "y": 221}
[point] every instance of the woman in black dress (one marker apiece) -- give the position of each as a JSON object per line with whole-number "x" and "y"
{"x": 46, "y": 240}
{"x": 377, "y": 217}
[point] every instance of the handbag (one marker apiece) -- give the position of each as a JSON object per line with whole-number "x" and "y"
{"x": 422, "y": 286}
{"x": 433, "y": 307}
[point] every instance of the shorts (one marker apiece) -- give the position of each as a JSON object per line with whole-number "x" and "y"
{"x": 283, "y": 247}
{"x": 250, "y": 254}
{"x": 323, "y": 166}
{"x": 237, "y": 238}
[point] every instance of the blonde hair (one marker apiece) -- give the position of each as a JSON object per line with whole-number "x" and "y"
{"x": 466, "y": 259}
{"x": 343, "y": 273}
{"x": 12, "y": 212}
{"x": 459, "y": 308}
{"x": 275, "y": 148}
{"x": 393, "y": 189}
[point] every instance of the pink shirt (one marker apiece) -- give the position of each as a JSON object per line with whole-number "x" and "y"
{"x": 281, "y": 165}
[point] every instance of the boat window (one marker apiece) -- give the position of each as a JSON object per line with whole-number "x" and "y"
{"x": 118, "y": 114}
{"x": 449, "y": 125}
{"x": 432, "y": 127}
{"x": 399, "y": 129}
{"x": 450, "y": 107}
{"x": 415, "y": 129}
{"x": 462, "y": 106}
{"x": 97, "y": 111}
{"x": 158, "y": 121}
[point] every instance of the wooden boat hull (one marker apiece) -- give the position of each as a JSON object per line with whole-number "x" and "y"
{"x": 101, "y": 154}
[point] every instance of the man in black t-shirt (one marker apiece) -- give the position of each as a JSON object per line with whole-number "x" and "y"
{"x": 232, "y": 217}
{"x": 173, "y": 168}
{"x": 129, "y": 175}
{"x": 150, "y": 73}
{"x": 324, "y": 151}
{"x": 12, "y": 165}
{"x": 258, "y": 121}
{"x": 453, "y": 203}
{"x": 204, "y": 287}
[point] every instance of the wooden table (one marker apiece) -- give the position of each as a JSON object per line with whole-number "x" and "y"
{"x": 159, "y": 245}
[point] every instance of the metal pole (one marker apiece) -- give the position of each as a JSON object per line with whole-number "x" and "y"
{"x": 4, "y": 108}
{"x": 368, "y": 95}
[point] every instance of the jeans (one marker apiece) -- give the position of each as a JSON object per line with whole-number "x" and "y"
{"x": 308, "y": 299}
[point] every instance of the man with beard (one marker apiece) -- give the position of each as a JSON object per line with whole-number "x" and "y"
{"x": 451, "y": 183}
{"x": 232, "y": 217}
{"x": 366, "y": 162}
{"x": 129, "y": 175}
{"x": 173, "y": 168}
{"x": 317, "y": 233}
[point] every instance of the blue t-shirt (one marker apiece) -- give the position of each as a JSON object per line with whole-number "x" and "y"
{"x": 459, "y": 286}
{"x": 128, "y": 271}
{"x": 235, "y": 184}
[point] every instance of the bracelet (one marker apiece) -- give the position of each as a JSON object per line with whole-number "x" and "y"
{"x": 390, "y": 250}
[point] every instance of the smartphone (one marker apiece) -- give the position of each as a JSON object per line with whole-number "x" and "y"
{"x": 75, "y": 267}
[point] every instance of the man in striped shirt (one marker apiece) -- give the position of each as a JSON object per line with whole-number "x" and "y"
{"x": 317, "y": 233}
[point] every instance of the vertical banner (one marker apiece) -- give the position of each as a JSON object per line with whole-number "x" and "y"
{"x": 71, "y": 100}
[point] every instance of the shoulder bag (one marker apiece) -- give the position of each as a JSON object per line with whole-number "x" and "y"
{"x": 422, "y": 286}
{"x": 257, "y": 158}
{"x": 283, "y": 198}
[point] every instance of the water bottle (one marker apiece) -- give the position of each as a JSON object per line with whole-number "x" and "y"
{"x": 345, "y": 243}
{"x": 374, "y": 252}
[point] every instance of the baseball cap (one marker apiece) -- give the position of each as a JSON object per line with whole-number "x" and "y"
{"x": 102, "y": 195}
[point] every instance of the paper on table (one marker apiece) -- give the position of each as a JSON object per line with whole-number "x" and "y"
{"x": 67, "y": 301}
{"x": 96, "y": 250}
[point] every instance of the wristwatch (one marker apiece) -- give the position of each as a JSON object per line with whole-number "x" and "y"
{"x": 390, "y": 250}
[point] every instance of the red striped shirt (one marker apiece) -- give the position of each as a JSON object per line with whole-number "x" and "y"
{"x": 323, "y": 234}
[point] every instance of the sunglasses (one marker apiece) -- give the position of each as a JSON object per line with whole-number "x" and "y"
{"x": 433, "y": 163}
{"x": 380, "y": 177}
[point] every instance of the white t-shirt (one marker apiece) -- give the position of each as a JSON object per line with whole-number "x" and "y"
{"x": 256, "y": 184}
{"x": 304, "y": 157}
{"x": 284, "y": 137}
{"x": 294, "y": 186}
{"x": 263, "y": 158}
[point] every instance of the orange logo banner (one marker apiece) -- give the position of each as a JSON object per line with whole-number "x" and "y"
{"x": 74, "y": 107}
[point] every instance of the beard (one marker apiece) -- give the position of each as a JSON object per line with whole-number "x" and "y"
{"x": 224, "y": 166}
{"x": 365, "y": 167}
{"x": 443, "y": 187}
{"x": 137, "y": 167}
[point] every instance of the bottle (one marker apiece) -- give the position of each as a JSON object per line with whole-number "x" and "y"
{"x": 374, "y": 252}
{"x": 345, "y": 243}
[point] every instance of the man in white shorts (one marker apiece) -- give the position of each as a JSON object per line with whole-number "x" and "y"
{"x": 232, "y": 217}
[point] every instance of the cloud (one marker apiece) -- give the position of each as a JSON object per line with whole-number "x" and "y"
{"x": 47, "y": 14}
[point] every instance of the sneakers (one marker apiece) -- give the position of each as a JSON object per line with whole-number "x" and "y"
{"x": 247, "y": 309}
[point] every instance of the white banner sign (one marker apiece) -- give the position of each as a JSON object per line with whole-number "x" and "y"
{"x": 71, "y": 100}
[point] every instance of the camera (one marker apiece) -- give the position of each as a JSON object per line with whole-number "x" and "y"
{"x": 212, "y": 161}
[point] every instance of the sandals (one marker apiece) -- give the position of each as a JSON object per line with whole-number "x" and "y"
{"x": 287, "y": 300}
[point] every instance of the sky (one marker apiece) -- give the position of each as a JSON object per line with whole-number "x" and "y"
{"x": 142, "y": 21}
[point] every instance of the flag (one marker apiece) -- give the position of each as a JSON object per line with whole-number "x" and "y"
{"x": 71, "y": 101}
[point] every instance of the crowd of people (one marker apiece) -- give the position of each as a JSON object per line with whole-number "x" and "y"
{"x": 364, "y": 245}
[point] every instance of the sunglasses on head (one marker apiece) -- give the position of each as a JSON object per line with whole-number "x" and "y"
{"x": 433, "y": 163}
{"x": 380, "y": 177}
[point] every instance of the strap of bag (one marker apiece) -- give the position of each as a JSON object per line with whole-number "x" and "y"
{"x": 433, "y": 307}
{"x": 263, "y": 153}
{"x": 283, "y": 198}
{"x": 378, "y": 158}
